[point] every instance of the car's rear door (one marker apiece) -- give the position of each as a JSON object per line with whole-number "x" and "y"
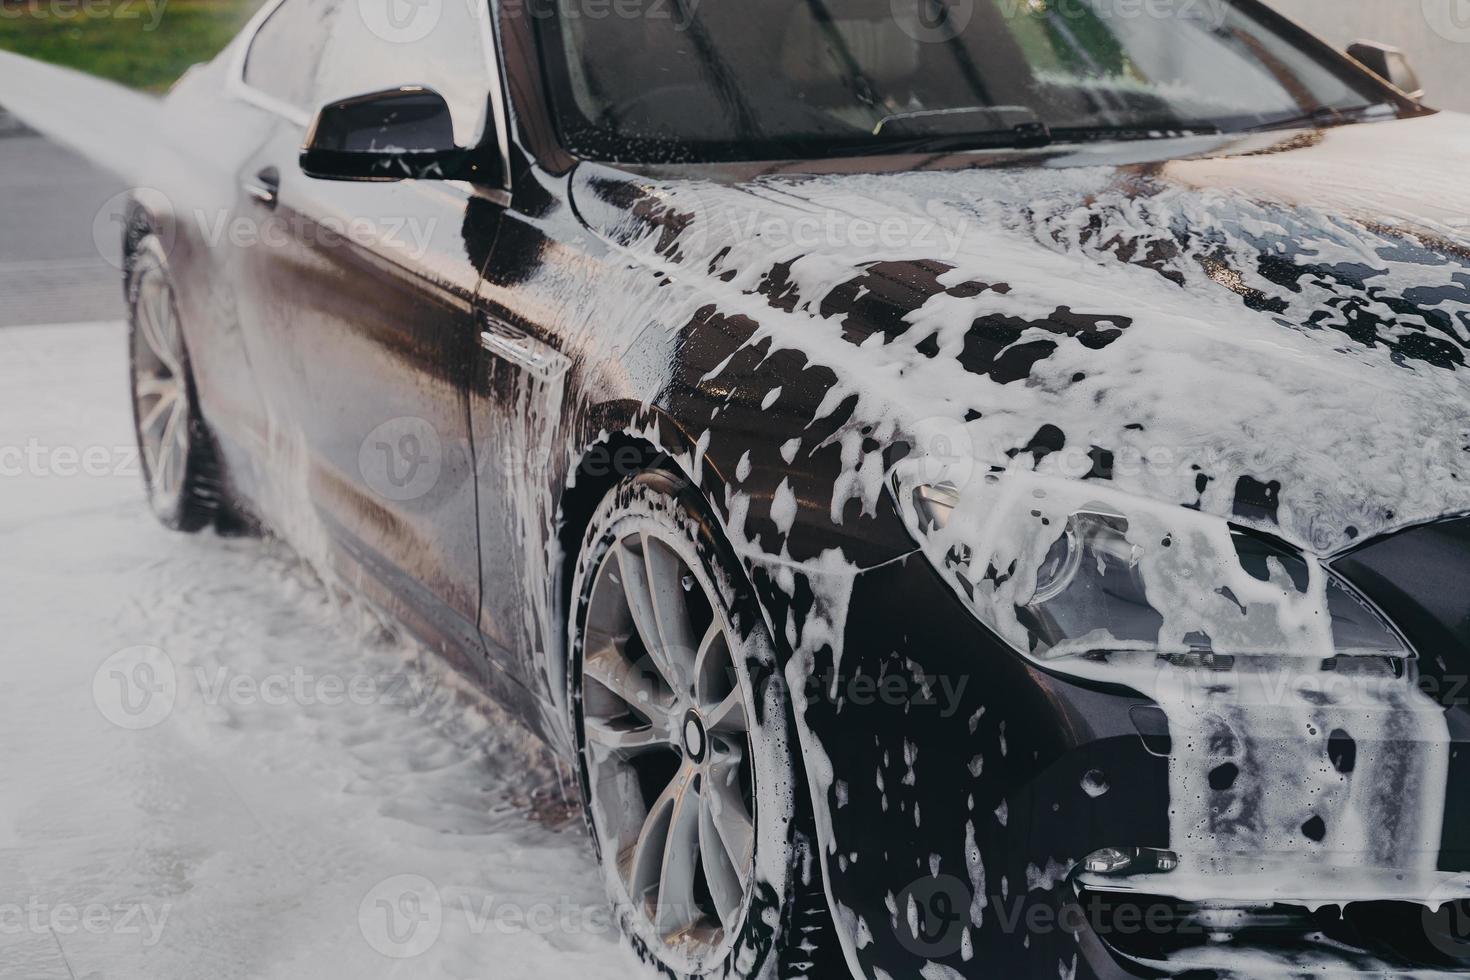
{"x": 364, "y": 296}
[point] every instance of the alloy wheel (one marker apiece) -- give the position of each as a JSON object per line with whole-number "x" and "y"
{"x": 160, "y": 388}
{"x": 666, "y": 736}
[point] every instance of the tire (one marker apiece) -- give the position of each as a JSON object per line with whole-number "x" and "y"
{"x": 668, "y": 784}
{"x": 180, "y": 476}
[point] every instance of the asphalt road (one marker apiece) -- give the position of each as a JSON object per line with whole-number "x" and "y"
{"x": 58, "y": 260}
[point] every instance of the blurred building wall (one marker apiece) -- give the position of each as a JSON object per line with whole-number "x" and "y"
{"x": 1436, "y": 33}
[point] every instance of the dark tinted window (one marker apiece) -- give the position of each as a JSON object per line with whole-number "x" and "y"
{"x": 783, "y": 78}
{"x": 385, "y": 43}
{"x": 283, "y": 54}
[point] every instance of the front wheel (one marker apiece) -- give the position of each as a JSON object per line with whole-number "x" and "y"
{"x": 685, "y": 741}
{"x": 178, "y": 467}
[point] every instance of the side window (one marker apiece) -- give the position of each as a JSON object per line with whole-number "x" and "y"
{"x": 442, "y": 45}
{"x": 283, "y": 54}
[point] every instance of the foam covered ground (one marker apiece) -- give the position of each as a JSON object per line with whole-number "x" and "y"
{"x": 212, "y": 769}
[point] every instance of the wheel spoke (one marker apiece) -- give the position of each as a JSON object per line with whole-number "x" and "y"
{"x": 166, "y": 400}
{"x": 637, "y": 685}
{"x": 676, "y": 910}
{"x": 727, "y": 809}
{"x": 725, "y": 879}
{"x": 646, "y": 864}
{"x": 666, "y": 573}
{"x": 169, "y": 452}
{"x": 728, "y": 717}
{"x": 162, "y": 387}
{"x": 712, "y": 676}
{"x": 151, "y": 303}
{"x": 653, "y": 584}
{"x": 717, "y": 689}
{"x": 627, "y": 741}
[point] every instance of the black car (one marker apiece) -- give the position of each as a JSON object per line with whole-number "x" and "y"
{"x": 977, "y": 490}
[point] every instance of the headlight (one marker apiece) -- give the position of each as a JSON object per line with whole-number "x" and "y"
{"x": 1073, "y": 571}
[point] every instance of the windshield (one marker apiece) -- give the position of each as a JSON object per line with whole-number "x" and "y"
{"x": 690, "y": 80}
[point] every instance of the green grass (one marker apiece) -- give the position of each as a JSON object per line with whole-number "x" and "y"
{"x": 146, "y": 44}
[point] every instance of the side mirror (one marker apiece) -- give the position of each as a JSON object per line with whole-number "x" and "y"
{"x": 1390, "y": 64}
{"x": 404, "y": 133}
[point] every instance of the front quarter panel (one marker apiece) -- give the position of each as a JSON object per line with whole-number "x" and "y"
{"x": 652, "y": 359}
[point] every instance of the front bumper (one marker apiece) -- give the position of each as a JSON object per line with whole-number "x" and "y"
{"x": 966, "y": 786}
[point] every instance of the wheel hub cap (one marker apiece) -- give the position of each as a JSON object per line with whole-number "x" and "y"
{"x": 694, "y": 737}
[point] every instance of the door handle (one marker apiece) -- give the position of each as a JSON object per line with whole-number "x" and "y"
{"x": 265, "y": 186}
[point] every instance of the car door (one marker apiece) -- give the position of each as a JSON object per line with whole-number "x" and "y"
{"x": 362, "y": 308}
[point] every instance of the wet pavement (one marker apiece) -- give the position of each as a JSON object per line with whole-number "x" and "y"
{"x": 215, "y": 768}
{"x": 58, "y": 259}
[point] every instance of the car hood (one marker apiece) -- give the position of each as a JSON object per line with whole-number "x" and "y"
{"x": 1272, "y": 329}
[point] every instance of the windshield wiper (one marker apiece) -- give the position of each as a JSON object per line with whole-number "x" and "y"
{"x": 1022, "y": 136}
{"x": 1322, "y": 117}
{"x": 1078, "y": 134}
{"x": 1028, "y": 135}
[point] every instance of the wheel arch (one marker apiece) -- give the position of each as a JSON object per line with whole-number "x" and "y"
{"x": 636, "y": 445}
{"x": 657, "y": 443}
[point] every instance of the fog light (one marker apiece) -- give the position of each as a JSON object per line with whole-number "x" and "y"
{"x": 1129, "y": 860}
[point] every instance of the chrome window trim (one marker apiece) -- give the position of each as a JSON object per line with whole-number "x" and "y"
{"x": 239, "y": 88}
